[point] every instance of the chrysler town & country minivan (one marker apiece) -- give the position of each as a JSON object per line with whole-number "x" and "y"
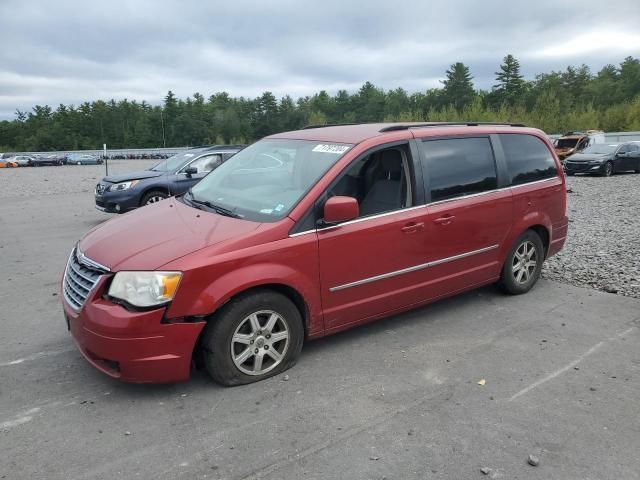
{"x": 307, "y": 233}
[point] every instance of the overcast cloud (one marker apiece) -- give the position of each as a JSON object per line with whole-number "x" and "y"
{"x": 77, "y": 50}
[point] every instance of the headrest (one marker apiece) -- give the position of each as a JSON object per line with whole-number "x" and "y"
{"x": 391, "y": 161}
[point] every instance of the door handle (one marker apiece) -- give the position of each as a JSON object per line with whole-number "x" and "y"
{"x": 446, "y": 220}
{"x": 412, "y": 227}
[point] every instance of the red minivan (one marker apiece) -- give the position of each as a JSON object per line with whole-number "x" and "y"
{"x": 307, "y": 233}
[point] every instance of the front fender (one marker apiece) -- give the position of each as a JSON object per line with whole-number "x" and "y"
{"x": 204, "y": 290}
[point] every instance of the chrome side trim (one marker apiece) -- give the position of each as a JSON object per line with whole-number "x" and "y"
{"x": 412, "y": 269}
{"x": 302, "y": 233}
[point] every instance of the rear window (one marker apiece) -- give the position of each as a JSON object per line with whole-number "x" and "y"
{"x": 528, "y": 158}
{"x": 459, "y": 166}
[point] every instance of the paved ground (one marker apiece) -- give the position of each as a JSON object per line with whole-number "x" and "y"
{"x": 398, "y": 399}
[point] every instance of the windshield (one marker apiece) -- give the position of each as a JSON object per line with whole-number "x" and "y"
{"x": 600, "y": 149}
{"x": 566, "y": 142}
{"x": 175, "y": 162}
{"x": 266, "y": 180}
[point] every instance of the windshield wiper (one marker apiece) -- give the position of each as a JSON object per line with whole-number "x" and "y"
{"x": 216, "y": 208}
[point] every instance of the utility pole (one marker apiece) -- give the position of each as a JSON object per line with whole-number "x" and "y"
{"x": 164, "y": 142}
{"x": 106, "y": 160}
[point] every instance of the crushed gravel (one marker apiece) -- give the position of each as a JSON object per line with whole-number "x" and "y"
{"x": 602, "y": 249}
{"x": 603, "y": 246}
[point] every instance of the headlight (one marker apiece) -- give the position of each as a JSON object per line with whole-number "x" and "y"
{"x": 116, "y": 187}
{"x": 145, "y": 289}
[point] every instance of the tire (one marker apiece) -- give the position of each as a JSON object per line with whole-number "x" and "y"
{"x": 78, "y": 163}
{"x": 518, "y": 281}
{"x": 608, "y": 169}
{"x": 154, "y": 196}
{"x": 229, "y": 362}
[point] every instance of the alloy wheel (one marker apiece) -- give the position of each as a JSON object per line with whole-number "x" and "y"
{"x": 260, "y": 342}
{"x": 525, "y": 262}
{"x": 154, "y": 199}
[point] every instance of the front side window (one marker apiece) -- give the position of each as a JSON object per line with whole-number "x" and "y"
{"x": 528, "y": 158}
{"x": 264, "y": 181}
{"x": 380, "y": 181}
{"x": 459, "y": 166}
{"x": 205, "y": 164}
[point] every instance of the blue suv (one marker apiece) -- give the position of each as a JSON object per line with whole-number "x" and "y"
{"x": 173, "y": 176}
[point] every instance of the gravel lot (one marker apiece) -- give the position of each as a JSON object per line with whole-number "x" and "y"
{"x": 603, "y": 247}
{"x": 602, "y": 251}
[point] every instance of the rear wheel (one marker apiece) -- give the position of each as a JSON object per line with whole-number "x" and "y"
{"x": 522, "y": 268}
{"x": 253, "y": 337}
{"x": 153, "y": 196}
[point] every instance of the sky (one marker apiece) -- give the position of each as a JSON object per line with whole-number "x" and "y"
{"x": 72, "y": 51}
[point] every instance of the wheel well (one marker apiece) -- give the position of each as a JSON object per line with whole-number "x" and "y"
{"x": 543, "y": 233}
{"x": 289, "y": 292}
{"x": 153, "y": 189}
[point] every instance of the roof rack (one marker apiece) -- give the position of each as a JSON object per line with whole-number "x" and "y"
{"x": 309, "y": 127}
{"x": 392, "y": 128}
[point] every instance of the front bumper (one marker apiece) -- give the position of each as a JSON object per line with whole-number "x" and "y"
{"x": 583, "y": 167}
{"x": 132, "y": 346}
{"x": 117, "y": 202}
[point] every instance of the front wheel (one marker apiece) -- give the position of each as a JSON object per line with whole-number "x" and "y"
{"x": 608, "y": 169}
{"x": 154, "y": 196}
{"x": 522, "y": 268}
{"x": 253, "y": 337}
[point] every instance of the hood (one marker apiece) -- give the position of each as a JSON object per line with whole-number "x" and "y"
{"x": 149, "y": 237}
{"x": 125, "y": 177}
{"x": 588, "y": 157}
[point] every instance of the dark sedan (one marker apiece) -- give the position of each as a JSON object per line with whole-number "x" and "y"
{"x": 173, "y": 176}
{"x": 605, "y": 159}
{"x": 47, "y": 159}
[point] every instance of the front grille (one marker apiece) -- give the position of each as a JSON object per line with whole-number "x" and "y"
{"x": 577, "y": 167}
{"x": 79, "y": 279}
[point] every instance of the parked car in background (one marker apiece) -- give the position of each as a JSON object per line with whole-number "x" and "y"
{"x": 307, "y": 233}
{"x": 605, "y": 159}
{"x": 573, "y": 142}
{"x": 84, "y": 159}
{"x": 8, "y": 163}
{"x": 173, "y": 176}
{"x": 24, "y": 160}
{"x": 47, "y": 159}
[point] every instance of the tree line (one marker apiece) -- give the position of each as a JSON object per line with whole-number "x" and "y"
{"x": 573, "y": 99}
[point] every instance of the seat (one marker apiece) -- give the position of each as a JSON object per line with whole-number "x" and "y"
{"x": 386, "y": 192}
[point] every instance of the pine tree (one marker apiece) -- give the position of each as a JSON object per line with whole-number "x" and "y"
{"x": 458, "y": 88}
{"x": 511, "y": 84}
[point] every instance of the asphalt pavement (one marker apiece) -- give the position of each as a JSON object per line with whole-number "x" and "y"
{"x": 482, "y": 380}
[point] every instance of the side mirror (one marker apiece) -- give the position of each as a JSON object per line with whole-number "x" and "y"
{"x": 190, "y": 171}
{"x": 340, "y": 209}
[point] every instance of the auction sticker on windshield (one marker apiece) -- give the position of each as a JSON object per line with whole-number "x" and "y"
{"x": 325, "y": 148}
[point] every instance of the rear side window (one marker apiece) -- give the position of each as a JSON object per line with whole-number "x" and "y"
{"x": 459, "y": 166}
{"x": 528, "y": 158}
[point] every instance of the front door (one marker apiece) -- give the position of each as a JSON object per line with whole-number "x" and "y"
{"x": 375, "y": 263}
